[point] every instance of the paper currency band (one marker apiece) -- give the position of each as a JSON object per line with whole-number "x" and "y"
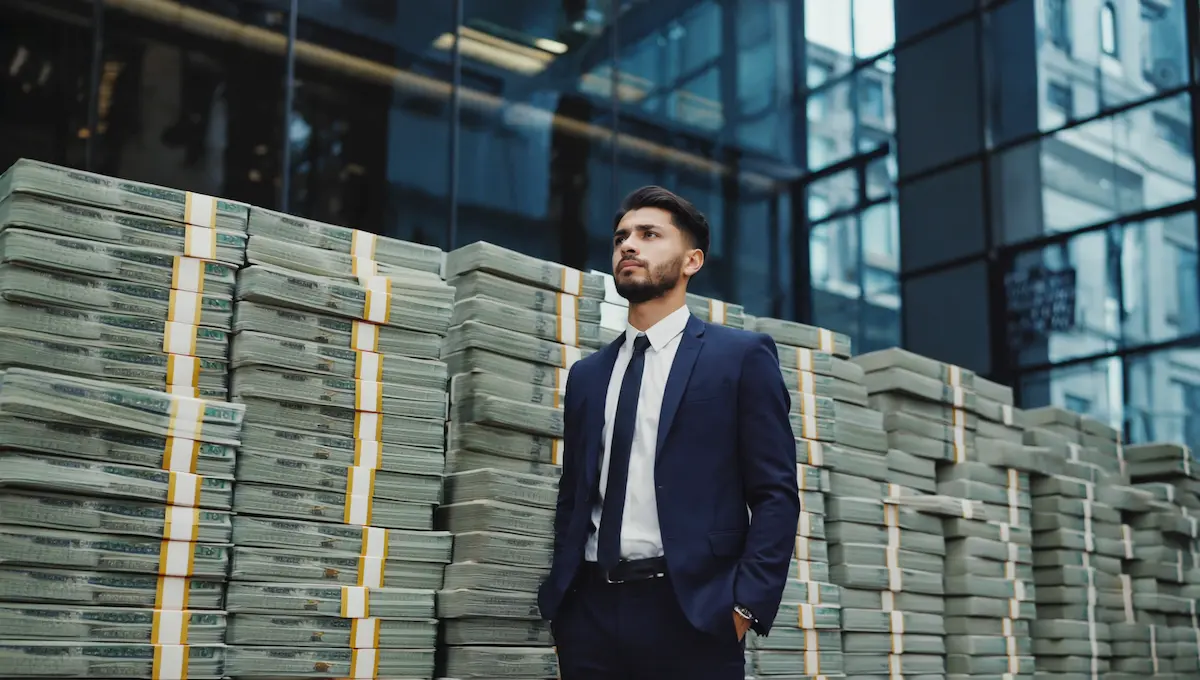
{"x": 825, "y": 340}
{"x": 187, "y": 273}
{"x": 1089, "y": 538}
{"x": 364, "y": 664}
{"x": 360, "y": 494}
{"x": 1154, "y": 648}
{"x": 180, "y": 454}
{"x": 169, "y": 627}
{"x": 183, "y": 371}
{"x": 897, "y": 643}
{"x": 181, "y": 524}
{"x": 887, "y": 601}
{"x": 806, "y": 382}
{"x": 187, "y": 418}
{"x": 1006, "y": 415}
{"x": 804, "y": 359}
{"x": 183, "y": 306}
{"x": 172, "y": 593}
{"x": 170, "y": 662}
{"x": 1127, "y": 597}
{"x": 368, "y": 426}
{"x": 717, "y": 312}
{"x": 364, "y": 633}
{"x": 368, "y": 395}
{"x": 815, "y": 453}
{"x": 1127, "y": 539}
{"x": 895, "y": 667}
{"x": 571, "y": 282}
{"x": 570, "y": 355}
{"x": 560, "y": 382}
{"x": 556, "y": 451}
{"x": 812, "y": 662}
{"x": 368, "y": 366}
{"x": 364, "y": 336}
{"x": 372, "y": 560}
{"x": 377, "y": 304}
{"x": 808, "y": 427}
{"x": 362, "y": 244}
{"x": 803, "y": 548}
{"x": 363, "y": 268}
{"x": 176, "y": 558}
{"x": 807, "y": 404}
{"x": 200, "y": 242}
{"x": 567, "y": 319}
{"x": 806, "y": 616}
{"x": 356, "y": 602}
{"x": 368, "y": 454}
{"x": 200, "y": 210}
{"x": 959, "y": 418}
{"x": 179, "y": 338}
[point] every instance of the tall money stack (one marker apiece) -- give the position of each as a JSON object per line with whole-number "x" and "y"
{"x": 806, "y": 639}
{"x": 1157, "y": 634}
{"x": 614, "y": 309}
{"x": 116, "y": 301}
{"x": 717, "y": 311}
{"x": 924, "y": 404}
{"x": 519, "y": 325}
{"x": 336, "y": 564}
{"x": 1077, "y": 548}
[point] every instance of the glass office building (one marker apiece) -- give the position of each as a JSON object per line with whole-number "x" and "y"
{"x": 898, "y": 170}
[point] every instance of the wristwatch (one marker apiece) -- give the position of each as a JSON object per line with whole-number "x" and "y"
{"x": 743, "y": 612}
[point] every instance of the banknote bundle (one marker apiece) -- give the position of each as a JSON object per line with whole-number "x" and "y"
{"x": 1077, "y": 548}
{"x": 117, "y": 280}
{"x": 520, "y": 324}
{"x": 806, "y": 639}
{"x": 1157, "y": 632}
{"x": 114, "y": 528}
{"x": 335, "y": 354}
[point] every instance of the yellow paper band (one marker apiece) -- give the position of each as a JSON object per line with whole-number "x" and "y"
{"x": 364, "y": 634}
{"x": 364, "y": 664}
{"x": 368, "y": 454}
{"x": 200, "y": 210}
{"x": 169, "y": 627}
{"x": 368, "y": 426}
{"x": 377, "y": 306}
{"x": 187, "y": 273}
{"x": 356, "y": 602}
{"x": 170, "y": 662}
{"x": 368, "y": 395}
{"x": 364, "y": 337}
{"x": 176, "y": 558}
{"x": 179, "y": 338}
{"x": 180, "y": 454}
{"x": 187, "y": 418}
{"x": 572, "y": 281}
{"x": 172, "y": 593}
{"x": 200, "y": 242}
{"x": 184, "y": 306}
{"x": 556, "y": 451}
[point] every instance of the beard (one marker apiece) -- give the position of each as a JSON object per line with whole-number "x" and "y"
{"x": 659, "y": 281}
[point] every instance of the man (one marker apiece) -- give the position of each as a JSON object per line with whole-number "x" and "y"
{"x": 678, "y": 502}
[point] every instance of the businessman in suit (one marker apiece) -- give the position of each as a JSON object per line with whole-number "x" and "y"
{"x": 678, "y": 502}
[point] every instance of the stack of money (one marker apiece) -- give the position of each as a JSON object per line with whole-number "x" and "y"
{"x": 718, "y": 311}
{"x": 117, "y": 280}
{"x": 806, "y": 639}
{"x": 114, "y": 529}
{"x": 1077, "y": 547}
{"x": 1157, "y": 633}
{"x": 336, "y": 564}
{"x": 519, "y": 325}
{"x": 614, "y": 309}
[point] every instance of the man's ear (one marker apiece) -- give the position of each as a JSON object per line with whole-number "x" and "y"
{"x": 693, "y": 262}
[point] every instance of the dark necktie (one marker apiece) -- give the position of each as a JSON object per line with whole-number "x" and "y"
{"x": 608, "y": 546}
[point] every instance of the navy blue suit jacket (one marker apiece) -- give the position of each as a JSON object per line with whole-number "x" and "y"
{"x": 724, "y": 445}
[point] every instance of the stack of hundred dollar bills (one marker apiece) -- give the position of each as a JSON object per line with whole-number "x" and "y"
{"x": 519, "y": 325}
{"x": 114, "y": 529}
{"x": 117, "y": 280}
{"x": 806, "y": 639}
{"x": 1157, "y": 634}
{"x": 118, "y": 461}
{"x": 336, "y": 567}
{"x": 1077, "y": 549}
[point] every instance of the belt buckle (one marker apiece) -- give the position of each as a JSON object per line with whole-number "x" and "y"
{"x": 608, "y": 578}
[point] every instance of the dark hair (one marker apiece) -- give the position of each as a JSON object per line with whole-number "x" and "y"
{"x": 684, "y": 215}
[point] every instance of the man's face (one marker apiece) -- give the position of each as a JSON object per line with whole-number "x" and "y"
{"x": 651, "y": 255}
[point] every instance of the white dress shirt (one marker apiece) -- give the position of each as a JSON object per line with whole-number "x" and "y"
{"x": 640, "y": 534}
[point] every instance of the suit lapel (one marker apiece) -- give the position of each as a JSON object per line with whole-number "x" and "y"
{"x": 677, "y": 379}
{"x": 597, "y": 394}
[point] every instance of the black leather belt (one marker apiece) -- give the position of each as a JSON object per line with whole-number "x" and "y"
{"x": 628, "y": 571}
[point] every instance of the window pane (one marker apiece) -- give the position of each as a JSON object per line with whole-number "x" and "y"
{"x": 1097, "y": 385}
{"x": 1161, "y": 288}
{"x": 832, "y": 194}
{"x": 834, "y": 255}
{"x": 1128, "y": 163}
{"x": 830, "y": 125}
{"x": 874, "y": 27}
{"x": 1164, "y": 397}
{"x": 827, "y": 34}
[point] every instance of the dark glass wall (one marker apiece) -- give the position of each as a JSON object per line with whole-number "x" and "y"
{"x": 520, "y": 122}
{"x": 1053, "y": 140}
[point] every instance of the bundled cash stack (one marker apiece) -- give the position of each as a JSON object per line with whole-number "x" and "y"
{"x": 519, "y": 325}
{"x": 929, "y": 431}
{"x": 114, "y": 529}
{"x": 116, "y": 306}
{"x": 1077, "y": 548}
{"x": 614, "y": 309}
{"x": 806, "y": 639}
{"x": 990, "y": 593}
{"x": 1157, "y": 634}
{"x": 117, "y": 280}
{"x": 717, "y": 311}
{"x": 336, "y": 565}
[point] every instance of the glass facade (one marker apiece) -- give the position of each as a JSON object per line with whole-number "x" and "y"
{"x": 878, "y": 167}
{"x": 1073, "y": 159}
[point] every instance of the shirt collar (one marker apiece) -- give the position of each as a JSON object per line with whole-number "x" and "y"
{"x": 664, "y": 331}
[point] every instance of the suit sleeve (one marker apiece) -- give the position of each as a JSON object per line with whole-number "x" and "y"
{"x": 572, "y": 436}
{"x": 767, "y": 458}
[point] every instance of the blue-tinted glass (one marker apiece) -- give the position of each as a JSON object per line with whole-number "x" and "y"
{"x": 1124, "y": 164}
{"x": 1164, "y": 397}
{"x": 1098, "y": 385}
